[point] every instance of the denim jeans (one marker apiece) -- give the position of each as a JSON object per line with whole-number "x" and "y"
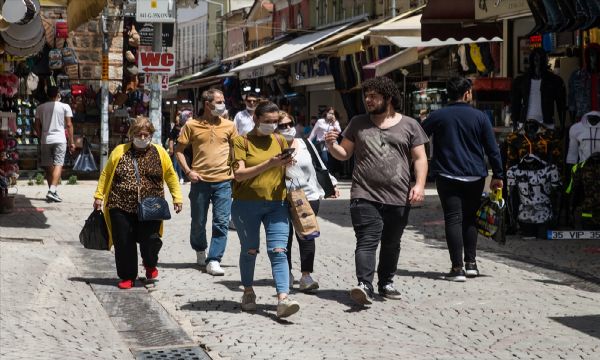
{"x": 178, "y": 169}
{"x": 376, "y": 223}
{"x": 201, "y": 195}
{"x": 460, "y": 201}
{"x": 248, "y": 215}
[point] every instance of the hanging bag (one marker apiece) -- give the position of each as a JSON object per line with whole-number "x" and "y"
{"x": 303, "y": 217}
{"x": 322, "y": 173}
{"x": 152, "y": 207}
{"x": 94, "y": 234}
{"x": 491, "y": 217}
{"x": 68, "y": 55}
{"x": 85, "y": 161}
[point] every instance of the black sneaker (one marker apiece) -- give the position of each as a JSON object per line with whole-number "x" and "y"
{"x": 362, "y": 294}
{"x": 390, "y": 292}
{"x": 471, "y": 270}
{"x": 53, "y": 196}
{"x": 456, "y": 275}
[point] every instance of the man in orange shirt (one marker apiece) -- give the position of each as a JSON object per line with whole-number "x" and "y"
{"x": 210, "y": 136}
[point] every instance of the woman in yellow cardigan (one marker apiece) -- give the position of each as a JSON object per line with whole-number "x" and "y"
{"x": 118, "y": 189}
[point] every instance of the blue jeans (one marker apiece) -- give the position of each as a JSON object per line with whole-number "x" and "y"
{"x": 178, "y": 168}
{"x": 201, "y": 195}
{"x": 247, "y": 215}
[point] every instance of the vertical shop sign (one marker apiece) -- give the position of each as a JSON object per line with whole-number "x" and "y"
{"x": 104, "y": 67}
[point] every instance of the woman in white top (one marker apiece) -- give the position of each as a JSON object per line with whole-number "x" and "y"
{"x": 303, "y": 174}
{"x": 328, "y": 123}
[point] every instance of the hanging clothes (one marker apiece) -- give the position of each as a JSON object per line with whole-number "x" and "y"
{"x": 536, "y": 182}
{"x": 584, "y": 84}
{"x": 475, "y": 52}
{"x": 584, "y": 189}
{"x": 545, "y": 145}
{"x": 584, "y": 139}
{"x": 462, "y": 54}
{"x": 486, "y": 56}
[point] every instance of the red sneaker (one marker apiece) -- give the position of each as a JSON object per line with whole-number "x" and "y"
{"x": 151, "y": 272}
{"x": 125, "y": 284}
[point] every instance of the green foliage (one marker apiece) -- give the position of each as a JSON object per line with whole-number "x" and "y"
{"x": 72, "y": 180}
{"x": 39, "y": 179}
{"x": 30, "y": 182}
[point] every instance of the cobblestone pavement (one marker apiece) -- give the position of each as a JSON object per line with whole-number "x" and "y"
{"x": 516, "y": 310}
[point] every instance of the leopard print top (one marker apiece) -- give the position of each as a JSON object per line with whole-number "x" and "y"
{"x": 123, "y": 193}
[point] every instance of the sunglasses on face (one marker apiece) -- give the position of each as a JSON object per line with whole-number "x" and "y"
{"x": 284, "y": 126}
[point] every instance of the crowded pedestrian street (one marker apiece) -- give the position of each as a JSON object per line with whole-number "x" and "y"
{"x": 535, "y": 299}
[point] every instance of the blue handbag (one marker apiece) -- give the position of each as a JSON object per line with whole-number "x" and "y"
{"x": 150, "y": 208}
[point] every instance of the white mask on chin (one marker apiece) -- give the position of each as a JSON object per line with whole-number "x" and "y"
{"x": 288, "y": 134}
{"x": 250, "y": 108}
{"x": 141, "y": 143}
{"x": 219, "y": 110}
{"x": 267, "y": 129}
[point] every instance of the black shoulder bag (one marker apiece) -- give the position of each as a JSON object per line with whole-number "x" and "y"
{"x": 322, "y": 172}
{"x": 150, "y": 208}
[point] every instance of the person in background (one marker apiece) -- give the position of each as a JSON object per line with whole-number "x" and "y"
{"x": 210, "y": 136}
{"x": 303, "y": 174}
{"x": 259, "y": 197}
{"x": 52, "y": 118}
{"x": 118, "y": 190}
{"x": 173, "y": 135}
{"x": 327, "y": 123}
{"x": 462, "y": 137}
{"x": 423, "y": 115}
{"x": 308, "y": 126}
{"x": 244, "y": 120}
{"x": 385, "y": 144}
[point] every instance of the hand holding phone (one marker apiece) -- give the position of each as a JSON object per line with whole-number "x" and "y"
{"x": 286, "y": 153}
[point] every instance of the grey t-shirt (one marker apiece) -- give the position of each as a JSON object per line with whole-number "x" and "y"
{"x": 382, "y": 159}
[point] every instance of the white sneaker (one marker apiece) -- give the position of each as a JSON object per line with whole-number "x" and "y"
{"x": 214, "y": 268}
{"x": 201, "y": 258}
{"x": 249, "y": 301}
{"x": 287, "y": 307}
{"x": 307, "y": 283}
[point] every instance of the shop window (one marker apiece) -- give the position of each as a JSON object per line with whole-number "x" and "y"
{"x": 299, "y": 22}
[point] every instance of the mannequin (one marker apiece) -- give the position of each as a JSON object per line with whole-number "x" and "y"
{"x": 535, "y": 94}
{"x": 584, "y": 84}
{"x": 584, "y": 138}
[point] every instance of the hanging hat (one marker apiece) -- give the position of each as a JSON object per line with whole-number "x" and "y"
{"x": 4, "y": 25}
{"x": 134, "y": 37}
{"x": 20, "y": 11}
{"x": 129, "y": 56}
{"x": 133, "y": 70}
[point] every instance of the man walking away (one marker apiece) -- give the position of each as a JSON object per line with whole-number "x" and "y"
{"x": 462, "y": 137}
{"x": 244, "y": 120}
{"x": 51, "y": 120}
{"x": 385, "y": 143}
{"x": 210, "y": 137}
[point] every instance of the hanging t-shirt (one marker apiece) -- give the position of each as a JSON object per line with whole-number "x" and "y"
{"x": 534, "y": 111}
{"x": 535, "y": 188}
{"x": 545, "y": 145}
{"x": 584, "y": 187}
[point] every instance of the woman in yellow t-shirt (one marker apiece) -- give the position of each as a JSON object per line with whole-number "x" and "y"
{"x": 259, "y": 196}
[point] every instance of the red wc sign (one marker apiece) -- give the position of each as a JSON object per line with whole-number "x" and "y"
{"x": 156, "y": 62}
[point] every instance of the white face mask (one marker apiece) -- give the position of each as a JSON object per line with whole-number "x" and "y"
{"x": 289, "y": 133}
{"x": 141, "y": 143}
{"x": 267, "y": 129}
{"x": 219, "y": 110}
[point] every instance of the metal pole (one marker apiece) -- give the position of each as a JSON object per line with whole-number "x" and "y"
{"x": 104, "y": 93}
{"x": 155, "y": 93}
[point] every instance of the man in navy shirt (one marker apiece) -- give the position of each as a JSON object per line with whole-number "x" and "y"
{"x": 462, "y": 136}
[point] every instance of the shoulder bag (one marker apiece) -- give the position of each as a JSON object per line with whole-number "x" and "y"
{"x": 150, "y": 208}
{"x": 322, "y": 172}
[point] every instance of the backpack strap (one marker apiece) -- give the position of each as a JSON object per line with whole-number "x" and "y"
{"x": 316, "y": 159}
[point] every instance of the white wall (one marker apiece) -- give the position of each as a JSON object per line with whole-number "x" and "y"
{"x": 191, "y": 38}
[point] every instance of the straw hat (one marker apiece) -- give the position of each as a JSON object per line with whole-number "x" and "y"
{"x": 4, "y": 25}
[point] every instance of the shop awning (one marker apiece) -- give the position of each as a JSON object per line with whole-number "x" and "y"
{"x": 264, "y": 64}
{"x": 443, "y": 19}
{"x": 81, "y": 11}
{"x": 207, "y": 70}
{"x": 397, "y": 61}
{"x": 415, "y": 41}
{"x": 252, "y": 52}
{"x": 202, "y": 82}
{"x": 406, "y": 27}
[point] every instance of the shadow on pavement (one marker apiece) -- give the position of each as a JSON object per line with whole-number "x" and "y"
{"x": 178, "y": 265}
{"x": 24, "y": 215}
{"x": 588, "y": 324}
{"x": 233, "y": 307}
{"x": 96, "y": 281}
{"x": 235, "y": 285}
{"x": 342, "y": 297}
{"x": 421, "y": 274}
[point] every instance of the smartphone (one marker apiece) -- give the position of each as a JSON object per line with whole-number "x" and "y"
{"x": 287, "y": 152}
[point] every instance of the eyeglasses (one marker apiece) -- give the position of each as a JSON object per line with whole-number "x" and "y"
{"x": 284, "y": 126}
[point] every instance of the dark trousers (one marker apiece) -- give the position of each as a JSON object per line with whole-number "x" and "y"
{"x": 307, "y": 247}
{"x": 376, "y": 223}
{"x": 127, "y": 230}
{"x": 460, "y": 201}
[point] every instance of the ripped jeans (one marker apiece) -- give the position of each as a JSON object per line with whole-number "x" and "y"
{"x": 248, "y": 215}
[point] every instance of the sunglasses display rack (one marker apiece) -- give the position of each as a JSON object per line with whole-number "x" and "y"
{"x": 27, "y": 140}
